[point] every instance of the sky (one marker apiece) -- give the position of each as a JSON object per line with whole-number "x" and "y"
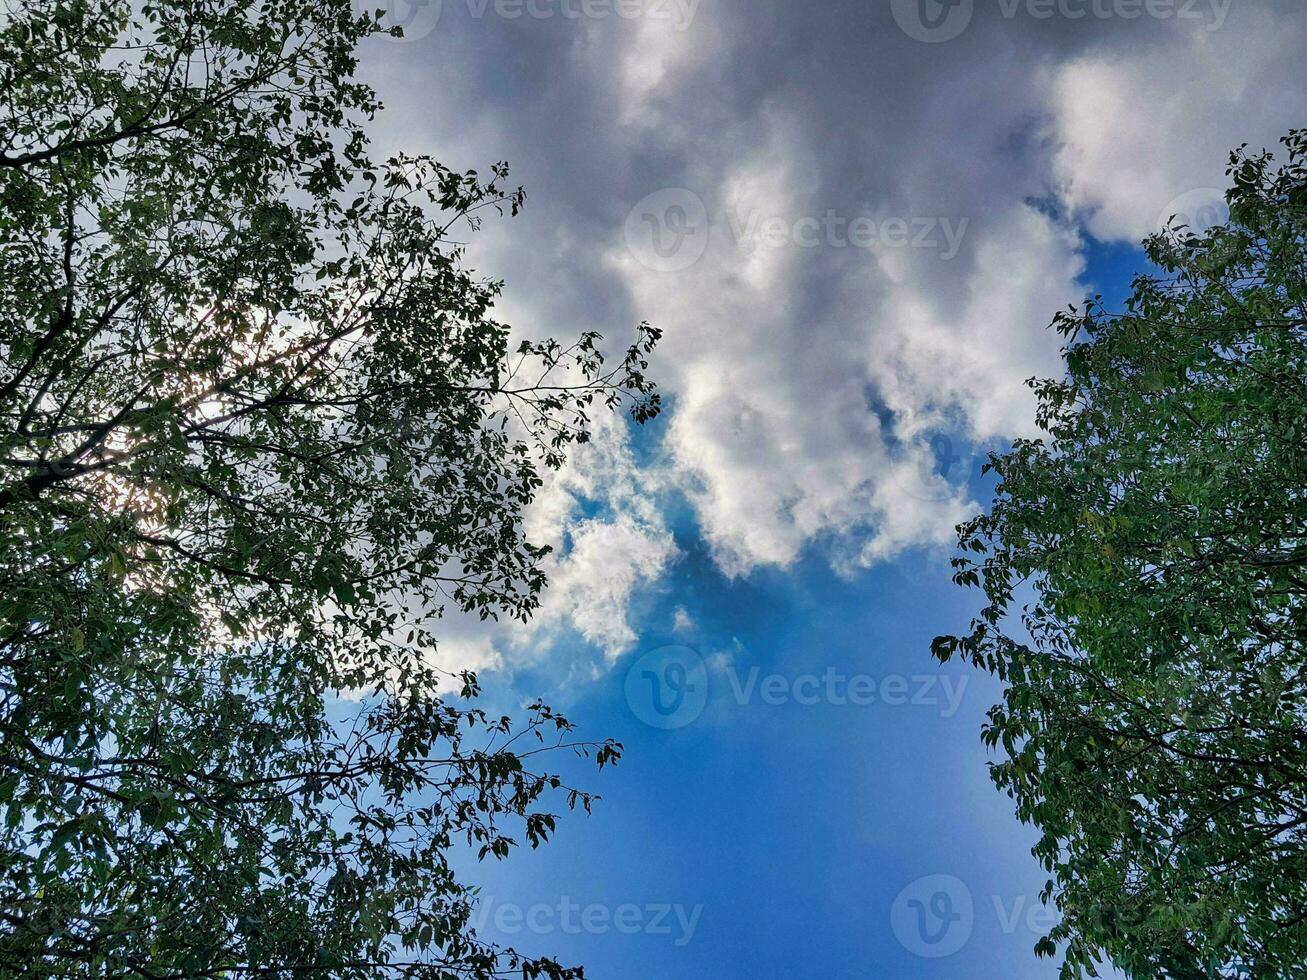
{"x": 853, "y": 222}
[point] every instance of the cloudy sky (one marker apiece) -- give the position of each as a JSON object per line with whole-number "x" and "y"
{"x": 853, "y": 222}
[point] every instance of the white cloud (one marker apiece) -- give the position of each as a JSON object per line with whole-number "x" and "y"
{"x": 934, "y": 358}
{"x": 600, "y": 515}
{"x": 590, "y": 587}
{"x": 1139, "y": 128}
{"x": 601, "y": 560}
{"x": 657, "y": 49}
{"x": 774, "y": 437}
{"x": 474, "y": 652}
{"x": 682, "y": 621}
{"x": 810, "y": 387}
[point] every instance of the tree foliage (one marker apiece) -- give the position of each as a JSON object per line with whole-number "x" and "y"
{"x": 258, "y": 429}
{"x": 1145, "y": 569}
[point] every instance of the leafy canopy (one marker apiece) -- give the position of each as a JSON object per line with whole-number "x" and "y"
{"x": 1145, "y": 571}
{"x": 258, "y": 429}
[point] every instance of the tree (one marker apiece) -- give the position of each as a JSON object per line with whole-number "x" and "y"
{"x": 1145, "y": 569}
{"x": 259, "y": 429}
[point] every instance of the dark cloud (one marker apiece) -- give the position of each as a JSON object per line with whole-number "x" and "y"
{"x": 830, "y": 113}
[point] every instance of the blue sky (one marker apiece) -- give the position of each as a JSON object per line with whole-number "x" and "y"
{"x": 786, "y": 827}
{"x": 794, "y": 826}
{"x": 854, "y": 222}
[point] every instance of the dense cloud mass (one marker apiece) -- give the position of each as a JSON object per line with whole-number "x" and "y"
{"x": 852, "y": 226}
